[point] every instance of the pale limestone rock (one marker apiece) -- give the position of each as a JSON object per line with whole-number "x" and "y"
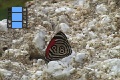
{"x": 80, "y": 57}
{"x": 3, "y": 25}
{"x": 63, "y": 9}
{"x": 64, "y": 27}
{"x": 39, "y": 40}
{"x": 101, "y": 8}
{"x": 5, "y": 72}
{"x": 24, "y": 77}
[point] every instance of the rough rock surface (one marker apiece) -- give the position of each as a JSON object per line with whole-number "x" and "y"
{"x": 92, "y": 28}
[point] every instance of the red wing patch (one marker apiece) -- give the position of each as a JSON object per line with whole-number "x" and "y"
{"x": 52, "y": 42}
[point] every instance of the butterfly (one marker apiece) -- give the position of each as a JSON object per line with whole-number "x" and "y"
{"x": 58, "y": 47}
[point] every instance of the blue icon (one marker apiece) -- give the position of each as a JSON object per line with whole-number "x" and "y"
{"x": 16, "y": 24}
{"x": 17, "y": 16}
{"x": 16, "y": 9}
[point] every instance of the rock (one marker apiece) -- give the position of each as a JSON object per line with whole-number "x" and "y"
{"x": 15, "y": 52}
{"x": 38, "y": 73}
{"x": 33, "y": 77}
{"x": 18, "y": 55}
{"x": 82, "y": 3}
{"x": 53, "y": 66}
{"x": 101, "y": 9}
{"x": 80, "y": 57}
{"x": 3, "y": 25}
{"x": 39, "y": 40}
{"x": 5, "y": 72}
{"x": 24, "y": 77}
{"x": 63, "y": 27}
{"x": 110, "y": 68}
{"x": 47, "y": 25}
{"x": 105, "y": 19}
{"x": 17, "y": 41}
{"x": 40, "y": 62}
{"x": 69, "y": 59}
{"x": 58, "y": 70}
{"x": 92, "y": 24}
{"x": 80, "y": 36}
{"x": 64, "y": 74}
{"x": 95, "y": 1}
{"x": 114, "y": 52}
{"x": 117, "y": 47}
{"x": 92, "y": 35}
{"x": 63, "y": 19}
{"x": 63, "y": 9}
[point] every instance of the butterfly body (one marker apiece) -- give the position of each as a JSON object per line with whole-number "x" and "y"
{"x": 58, "y": 47}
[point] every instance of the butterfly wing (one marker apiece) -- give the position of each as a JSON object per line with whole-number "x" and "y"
{"x": 58, "y": 47}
